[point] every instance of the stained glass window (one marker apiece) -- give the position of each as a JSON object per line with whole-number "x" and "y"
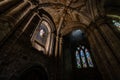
{"x": 78, "y": 60}
{"x": 40, "y": 36}
{"x": 90, "y": 63}
{"x": 42, "y": 33}
{"x": 116, "y": 23}
{"x": 83, "y": 58}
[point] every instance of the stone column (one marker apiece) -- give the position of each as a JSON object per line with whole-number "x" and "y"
{"x": 17, "y": 19}
{"x": 112, "y": 40}
{"x": 96, "y": 52}
{"x": 106, "y": 62}
{"x": 56, "y": 46}
{"x": 60, "y": 47}
{"x": 52, "y": 45}
{"x": 58, "y": 55}
{"x": 17, "y": 13}
{"x": 7, "y": 4}
{"x": 61, "y": 58}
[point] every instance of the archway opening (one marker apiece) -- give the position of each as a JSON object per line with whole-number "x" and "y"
{"x": 78, "y": 60}
{"x": 32, "y": 73}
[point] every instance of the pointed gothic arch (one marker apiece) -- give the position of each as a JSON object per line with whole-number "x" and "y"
{"x": 32, "y": 71}
{"x": 85, "y": 71}
{"x": 73, "y": 26}
{"x": 44, "y": 34}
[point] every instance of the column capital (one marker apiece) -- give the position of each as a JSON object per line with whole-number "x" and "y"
{"x": 100, "y": 20}
{"x": 90, "y": 28}
{"x": 97, "y": 23}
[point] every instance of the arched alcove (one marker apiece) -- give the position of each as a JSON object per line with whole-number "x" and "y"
{"x": 73, "y": 42}
{"x": 33, "y": 72}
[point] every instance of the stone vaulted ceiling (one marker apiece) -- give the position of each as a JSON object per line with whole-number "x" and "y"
{"x": 66, "y": 12}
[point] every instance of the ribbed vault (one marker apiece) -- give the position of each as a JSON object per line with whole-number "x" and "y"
{"x": 64, "y": 12}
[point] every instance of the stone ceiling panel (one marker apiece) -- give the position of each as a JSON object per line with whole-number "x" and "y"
{"x": 74, "y": 10}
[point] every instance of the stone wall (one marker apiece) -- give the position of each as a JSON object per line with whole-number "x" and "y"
{"x": 18, "y": 20}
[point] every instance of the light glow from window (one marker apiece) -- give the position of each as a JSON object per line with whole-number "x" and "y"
{"x": 116, "y": 23}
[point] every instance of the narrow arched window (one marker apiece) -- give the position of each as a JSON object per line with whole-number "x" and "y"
{"x": 42, "y": 33}
{"x": 90, "y": 63}
{"x": 78, "y": 59}
{"x": 43, "y": 37}
{"x": 83, "y": 57}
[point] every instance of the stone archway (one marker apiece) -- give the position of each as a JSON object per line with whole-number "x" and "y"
{"x": 34, "y": 72}
{"x": 73, "y": 26}
{"x": 69, "y": 60}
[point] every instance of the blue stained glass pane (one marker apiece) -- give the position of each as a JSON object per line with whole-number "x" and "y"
{"x": 83, "y": 47}
{"x": 89, "y": 58}
{"x": 41, "y": 36}
{"x": 116, "y": 23}
{"x": 78, "y": 60}
{"x": 83, "y": 58}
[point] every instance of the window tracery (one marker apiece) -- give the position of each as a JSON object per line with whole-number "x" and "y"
{"x": 83, "y": 58}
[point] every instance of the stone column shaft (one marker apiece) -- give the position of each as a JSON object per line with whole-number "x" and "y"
{"x": 112, "y": 40}
{"x": 51, "y": 47}
{"x": 6, "y": 4}
{"x": 60, "y": 47}
{"x": 19, "y": 12}
{"x": 99, "y": 59}
{"x": 56, "y": 46}
{"x": 108, "y": 60}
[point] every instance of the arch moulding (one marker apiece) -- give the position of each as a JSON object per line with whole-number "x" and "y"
{"x": 73, "y": 26}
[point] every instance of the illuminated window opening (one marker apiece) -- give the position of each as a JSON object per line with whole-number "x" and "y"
{"x": 83, "y": 58}
{"x": 116, "y": 23}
